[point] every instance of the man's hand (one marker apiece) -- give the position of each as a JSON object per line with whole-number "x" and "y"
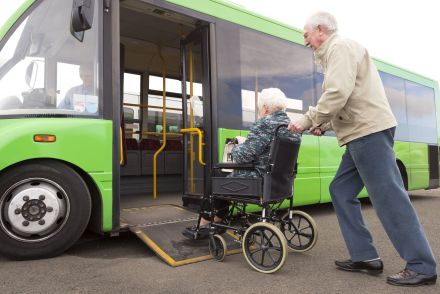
{"x": 316, "y": 131}
{"x": 295, "y": 127}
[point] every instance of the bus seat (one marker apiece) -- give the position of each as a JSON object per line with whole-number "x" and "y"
{"x": 173, "y": 157}
{"x": 132, "y": 167}
{"x": 131, "y": 144}
{"x": 147, "y": 148}
{"x": 149, "y": 144}
{"x": 174, "y": 145}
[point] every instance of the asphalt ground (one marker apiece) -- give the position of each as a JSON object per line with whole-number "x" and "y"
{"x": 124, "y": 265}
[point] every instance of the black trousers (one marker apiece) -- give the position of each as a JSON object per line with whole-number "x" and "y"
{"x": 221, "y": 208}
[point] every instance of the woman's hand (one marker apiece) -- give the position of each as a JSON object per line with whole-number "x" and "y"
{"x": 240, "y": 139}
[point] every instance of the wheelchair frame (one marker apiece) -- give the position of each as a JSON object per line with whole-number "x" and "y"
{"x": 262, "y": 238}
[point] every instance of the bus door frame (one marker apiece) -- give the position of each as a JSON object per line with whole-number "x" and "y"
{"x": 202, "y": 34}
{"x": 110, "y": 71}
{"x": 111, "y": 89}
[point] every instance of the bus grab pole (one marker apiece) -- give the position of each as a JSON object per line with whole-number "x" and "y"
{"x": 164, "y": 123}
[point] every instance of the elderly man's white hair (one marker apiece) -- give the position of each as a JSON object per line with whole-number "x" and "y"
{"x": 273, "y": 98}
{"x": 324, "y": 19}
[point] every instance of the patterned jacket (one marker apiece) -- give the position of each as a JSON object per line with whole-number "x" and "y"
{"x": 257, "y": 145}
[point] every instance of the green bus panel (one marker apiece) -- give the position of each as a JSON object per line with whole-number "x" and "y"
{"x": 14, "y": 17}
{"x": 418, "y": 166}
{"x": 84, "y": 143}
{"x": 307, "y": 182}
{"x": 330, "y": 155}
{"x": 402, "y": 152}
{"x": 244, "y": 133}
{"x": 403, "y": 155}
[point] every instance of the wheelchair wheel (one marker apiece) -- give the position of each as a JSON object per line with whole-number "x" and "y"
{"x": 217, "y": 247}
{"x": 301, "y": 231}
{"x": 264, "y": 247}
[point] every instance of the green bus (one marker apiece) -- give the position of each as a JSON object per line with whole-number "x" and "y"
{"x": 108, "y": 105}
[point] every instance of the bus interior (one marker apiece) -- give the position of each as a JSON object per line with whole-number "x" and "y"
{"x": 151, "y": 56}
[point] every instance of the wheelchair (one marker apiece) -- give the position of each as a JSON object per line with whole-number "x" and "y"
{"x": 267, "y": 236}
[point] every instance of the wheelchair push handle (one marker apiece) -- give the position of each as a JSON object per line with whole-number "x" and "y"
{"x": 280, "y": 126}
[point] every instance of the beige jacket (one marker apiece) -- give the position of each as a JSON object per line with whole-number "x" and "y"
{"x": 353, "y": 100}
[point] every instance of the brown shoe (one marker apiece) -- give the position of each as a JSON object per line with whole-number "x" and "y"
{"x": 411, "y": 278}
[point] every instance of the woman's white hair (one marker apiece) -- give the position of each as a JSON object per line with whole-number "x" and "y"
{"x": 273, "y": 98}
{"x": 324, "y": 19}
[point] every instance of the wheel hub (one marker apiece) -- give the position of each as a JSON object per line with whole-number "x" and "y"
{"x": 34, "y": 209}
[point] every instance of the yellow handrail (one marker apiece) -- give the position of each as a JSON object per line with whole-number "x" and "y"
{"x": 152, "y": 133}
{"x": 151, "y": 106}
{"x": 164, "y": 123}
{"x": 121, "y": 154}
{"x": 191, "y": 119}
{"x": 199, "y": 133}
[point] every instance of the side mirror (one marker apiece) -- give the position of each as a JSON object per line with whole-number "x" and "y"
{"x": 82, "y": 17}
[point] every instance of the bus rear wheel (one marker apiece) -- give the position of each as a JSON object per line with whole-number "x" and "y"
{"x": 45, "y": 207}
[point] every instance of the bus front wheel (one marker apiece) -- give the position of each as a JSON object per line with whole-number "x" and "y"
{"x": 45, "y": 207}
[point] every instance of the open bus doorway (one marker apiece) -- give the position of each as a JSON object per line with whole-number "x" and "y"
{"x": 167, "y": 125}
{"x": 160, "y": 49}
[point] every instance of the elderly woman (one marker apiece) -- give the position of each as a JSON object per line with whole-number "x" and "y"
{"x": 255, "y": 149}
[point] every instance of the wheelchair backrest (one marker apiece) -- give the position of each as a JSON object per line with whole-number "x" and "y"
{"x": 280, "y": 172}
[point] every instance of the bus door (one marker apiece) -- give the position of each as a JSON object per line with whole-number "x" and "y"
{"x": 196, "y": 105}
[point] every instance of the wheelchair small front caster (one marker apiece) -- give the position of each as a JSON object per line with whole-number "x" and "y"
{"x": 264, "y": 247}
{"x": 217, "y": 247}
{"x": 301, "y": 231}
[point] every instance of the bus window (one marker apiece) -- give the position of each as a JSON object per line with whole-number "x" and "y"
{"x": 173, "y": 104}
{"x": 42, "y": 61}
{"x": 395, "y": 91}
{"x": 249, "y": 61}
{"x": 421, "y": 113}
{"x": 132, "y": 98}
{"x": 173, "y": 113}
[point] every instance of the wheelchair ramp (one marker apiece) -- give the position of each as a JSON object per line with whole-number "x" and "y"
{"x": 160, "y": 228}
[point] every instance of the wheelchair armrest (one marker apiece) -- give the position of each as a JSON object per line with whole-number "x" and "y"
{"x": 234, "y": 166}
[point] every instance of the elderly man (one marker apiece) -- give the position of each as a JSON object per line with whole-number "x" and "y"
{"x": 354, "y": 105}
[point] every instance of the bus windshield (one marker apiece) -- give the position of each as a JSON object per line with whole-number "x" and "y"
{"x": 44, "y": 69}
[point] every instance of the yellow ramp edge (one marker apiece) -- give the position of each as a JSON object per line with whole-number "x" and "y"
{"x": 168, "y": 259}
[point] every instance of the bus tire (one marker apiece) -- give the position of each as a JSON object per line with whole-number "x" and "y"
{"x": 403, "y": 174}
{"x": 45, "y": 207}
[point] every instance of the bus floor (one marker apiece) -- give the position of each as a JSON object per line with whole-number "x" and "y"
{"x": 147, "y": 199}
